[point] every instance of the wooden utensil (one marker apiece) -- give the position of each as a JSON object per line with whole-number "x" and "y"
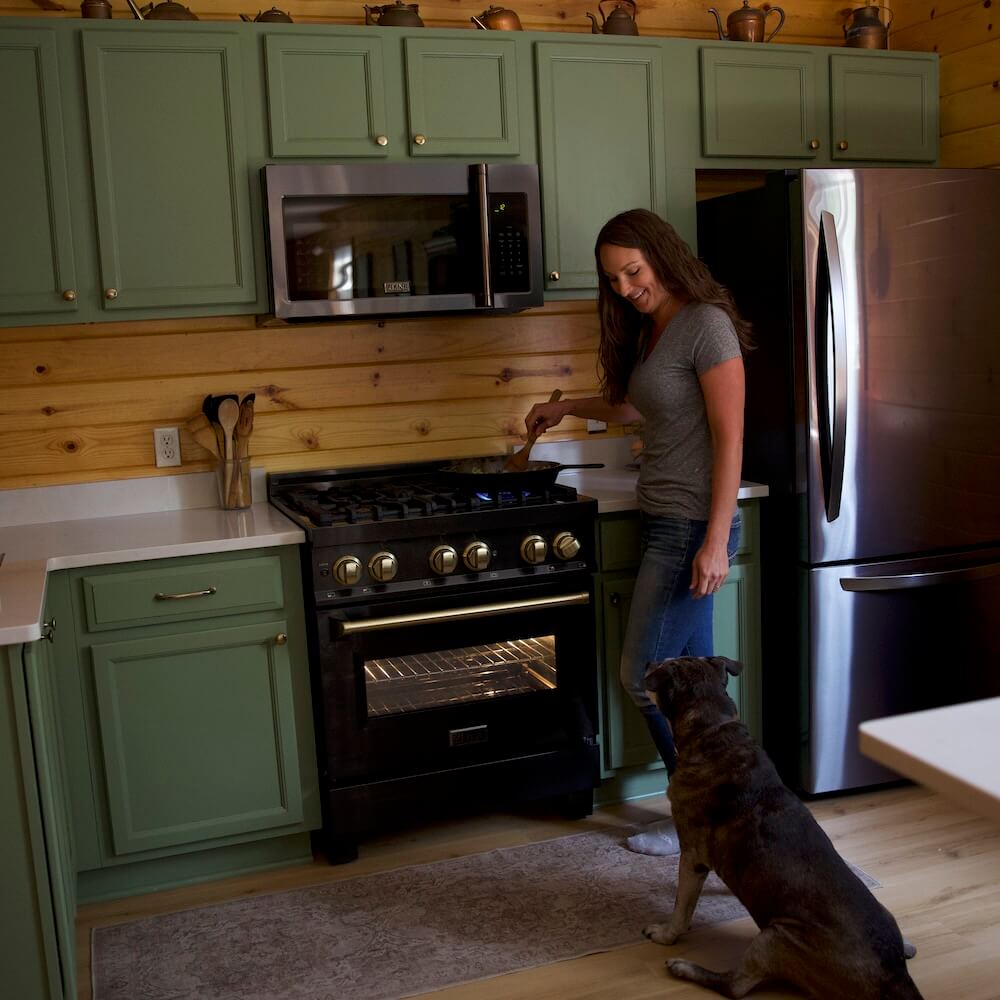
{"x": 244, "y": 427}
{"x": 229, "y": 414}
{"x": 200, "y": 428}
{"x": 518, "y": 462}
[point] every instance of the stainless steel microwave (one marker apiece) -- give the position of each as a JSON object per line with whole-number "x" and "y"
{"x": 388, "y": 239}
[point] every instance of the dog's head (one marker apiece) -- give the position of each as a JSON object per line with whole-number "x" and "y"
{"x": 687, "y": 682}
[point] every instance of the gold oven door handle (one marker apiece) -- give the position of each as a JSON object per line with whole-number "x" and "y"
{"x": 457, "y": 614}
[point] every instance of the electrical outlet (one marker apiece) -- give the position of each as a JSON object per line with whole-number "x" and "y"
{"x": 596, "y": 426}
{"x": 167, "y": 446}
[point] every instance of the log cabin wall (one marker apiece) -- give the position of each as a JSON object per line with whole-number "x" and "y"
{"x": 81, "y": 401}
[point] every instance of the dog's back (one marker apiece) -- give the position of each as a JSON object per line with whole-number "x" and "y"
{"x": 735, "y": 816}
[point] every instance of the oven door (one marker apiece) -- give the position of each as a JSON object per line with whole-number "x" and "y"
{"x": 440, "y": 682}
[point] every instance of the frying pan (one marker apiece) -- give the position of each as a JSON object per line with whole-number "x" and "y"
{"x": 487, "y": 475}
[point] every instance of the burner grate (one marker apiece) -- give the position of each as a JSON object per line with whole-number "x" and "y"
{"x": 450, "y": 677}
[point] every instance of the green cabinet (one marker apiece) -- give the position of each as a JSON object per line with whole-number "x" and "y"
{"x": 382, "y": 94}
{"x": 625, "y": 740}
{"x": 37, "y": 268}
{"x": 602, "y": 146}
{"x": 816, "y": 106}
{"x": 168, "y": 161}
{"x": 188, "y": 718}
{"x": 37, "y": 870}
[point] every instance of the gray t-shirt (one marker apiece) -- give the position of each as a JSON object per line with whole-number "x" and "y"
{"x": 675, "y": 475}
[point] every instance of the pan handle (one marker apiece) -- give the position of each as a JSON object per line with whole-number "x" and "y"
{"x": 585, "y": 465}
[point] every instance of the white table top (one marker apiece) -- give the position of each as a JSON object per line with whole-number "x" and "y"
{"x": 952, "y": 750}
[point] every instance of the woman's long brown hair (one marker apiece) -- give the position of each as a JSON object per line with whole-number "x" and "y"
{"x": 679, "y": 271}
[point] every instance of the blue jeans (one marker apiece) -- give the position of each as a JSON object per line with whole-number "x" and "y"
{"x": 665, "y": 620}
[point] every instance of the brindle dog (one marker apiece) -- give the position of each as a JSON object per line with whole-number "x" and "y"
{"x": 820, "y": 928}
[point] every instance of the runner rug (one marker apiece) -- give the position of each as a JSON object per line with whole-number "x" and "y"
{"x": 404, "y": 932}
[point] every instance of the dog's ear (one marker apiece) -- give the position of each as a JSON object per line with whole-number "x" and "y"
{"x": 656, "y": 674}
{"x": 725, "y": 665}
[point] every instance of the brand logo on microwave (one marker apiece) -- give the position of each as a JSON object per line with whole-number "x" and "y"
{"x": 395, "y": 286}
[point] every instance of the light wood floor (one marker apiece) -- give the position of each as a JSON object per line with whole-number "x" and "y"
{"x": 938, "y": 864}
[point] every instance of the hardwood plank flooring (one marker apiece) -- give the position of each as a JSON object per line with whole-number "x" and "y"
{"x": 939, "y": 866}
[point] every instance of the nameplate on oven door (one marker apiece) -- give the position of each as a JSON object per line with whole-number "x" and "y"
{"x": 471, "y": 734}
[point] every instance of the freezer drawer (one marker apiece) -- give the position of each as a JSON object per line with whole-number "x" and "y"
{"x": 887, "y": 638}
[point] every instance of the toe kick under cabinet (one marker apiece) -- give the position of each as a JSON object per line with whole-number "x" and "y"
{"x": 184, "y": 693}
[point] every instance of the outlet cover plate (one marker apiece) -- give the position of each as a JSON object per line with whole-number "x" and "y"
{"x": 166, "y": 446}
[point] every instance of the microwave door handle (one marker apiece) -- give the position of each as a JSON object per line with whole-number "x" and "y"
{"x": 483, "y": 194}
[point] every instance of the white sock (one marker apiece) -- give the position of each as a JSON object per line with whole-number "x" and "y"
{"x": 658, "y": 838}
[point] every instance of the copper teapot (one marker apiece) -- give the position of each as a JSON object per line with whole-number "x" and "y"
{"x": 867, "y": 30}
{"x": 498, "y": 19}
{"x": 95, "y": 8}
{"x": 746, "y": 24}
{"x": 395, "y": 15}
{"x": 618, "y": 22}
{"x": 166, "y": 11}
{"x": 273, "y": 15}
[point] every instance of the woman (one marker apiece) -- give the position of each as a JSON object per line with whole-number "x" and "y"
{"x": 671, "y": 355}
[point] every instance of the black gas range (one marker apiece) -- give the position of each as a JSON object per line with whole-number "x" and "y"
{"x": 452, "y": 644}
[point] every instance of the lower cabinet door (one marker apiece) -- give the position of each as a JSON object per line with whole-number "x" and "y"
{"x": 198, "y": 735}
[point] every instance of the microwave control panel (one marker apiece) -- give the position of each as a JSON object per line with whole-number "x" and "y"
{"x": 509, "y": 256}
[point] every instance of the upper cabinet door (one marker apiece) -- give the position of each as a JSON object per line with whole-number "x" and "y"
{"x": 326, "y": 95}
{"x": 759, "y": 101}
{"x": 462, "y": 96}
{"x": 171, "y": 183}
{"x": 601, "y": 147}
{"x": 37, "y": 272}
{"x": 884, "y": 108}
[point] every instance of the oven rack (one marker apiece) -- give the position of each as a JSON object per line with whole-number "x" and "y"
{"x": 401, "y": 684}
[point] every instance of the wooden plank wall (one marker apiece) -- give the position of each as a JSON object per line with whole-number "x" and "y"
{"x": 966, "y": 34}
{"x": 80, "y": 401}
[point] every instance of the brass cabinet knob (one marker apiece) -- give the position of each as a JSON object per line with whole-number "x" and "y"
{"x": 443, "y": 560}
{"x": 814, "y": 143}
{"x": 842, "y": 144}
{"x": 347, "y": 571}
{"x": 476, "y": 556}
{"x": 420, "y": 139}
{"x": 533, "y": 549}
{"x": 381, "y": 140}
{"x": 111, "y": 293}
{"x": 280, "y": 639}
{"x": 48, "y": 628}
{"x": 69, "y": 295}
{"x": 565, "y": 545}
{"x": 382, "y": 567}
{"x": 553, "y": 275}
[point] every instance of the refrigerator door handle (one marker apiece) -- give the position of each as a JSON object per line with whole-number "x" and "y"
{"x": 904, "y": 581}
{"x": 838, "y": 434}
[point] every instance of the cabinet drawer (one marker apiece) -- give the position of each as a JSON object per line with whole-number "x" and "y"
{"x": 179, "y": 593}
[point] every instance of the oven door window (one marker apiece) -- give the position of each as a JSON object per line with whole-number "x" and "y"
{"x": 378, "y": 245}
{"x": 441, "y": 677}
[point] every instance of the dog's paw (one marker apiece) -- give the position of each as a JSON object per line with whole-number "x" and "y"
{"x": 660, "y": 933}
{"x": 681, "y": 968}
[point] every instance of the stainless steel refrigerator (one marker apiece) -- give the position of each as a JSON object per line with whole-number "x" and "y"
{"x": 873, "y": 414}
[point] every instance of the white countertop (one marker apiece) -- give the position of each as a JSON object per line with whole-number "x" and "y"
{"x": 950, "y": 750}
{"x": 52, "y": 528}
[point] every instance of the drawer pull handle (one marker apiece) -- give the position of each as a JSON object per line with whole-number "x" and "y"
{"x": 181, "y": 597}
{"x": 49, "y": 629}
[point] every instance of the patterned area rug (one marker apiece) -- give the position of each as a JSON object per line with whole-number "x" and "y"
{"x": 404, "y": 932}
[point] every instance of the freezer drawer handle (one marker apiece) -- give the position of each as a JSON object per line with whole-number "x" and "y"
{"x": 455, "y": 614}
{"x": 907, "y": 580}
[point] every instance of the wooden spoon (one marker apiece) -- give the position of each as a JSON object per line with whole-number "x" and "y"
{"x": 244, "y": 427}
{"x": 518, "y": 462}
{"x": 229, "y": 414}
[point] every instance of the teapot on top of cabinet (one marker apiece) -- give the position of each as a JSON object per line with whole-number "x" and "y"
{"x": 166, "y": 11}
{"x": 618, "y": 22}
{"x": 746, "y": 23}
{"x": 498, "y": 19}
{"x": 395, "y": 15}
{"x": 273, "y": 16}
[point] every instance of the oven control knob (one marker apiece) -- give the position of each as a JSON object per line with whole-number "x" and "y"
{"x": 382, "y": 567}
{"x": 347, "y": 571}
{"x": 565, "y": 545}
{"x": 533, "y": 549}
{"x": 476, "y": 556}
{"x": 443, "y": 560}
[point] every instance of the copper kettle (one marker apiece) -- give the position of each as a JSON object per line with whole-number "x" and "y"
{"x": 498, "y": 19}
{"x": 618, "y": 22}
{"x": 867, "y": 31}
{"x": 273, "y": 15}
{"x": 166, "y": 11}
{"x": 746, "y": 24}
{"x": 395, "y": 15}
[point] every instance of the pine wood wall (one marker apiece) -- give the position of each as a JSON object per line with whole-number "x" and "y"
{"x": 80, "y": 401}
